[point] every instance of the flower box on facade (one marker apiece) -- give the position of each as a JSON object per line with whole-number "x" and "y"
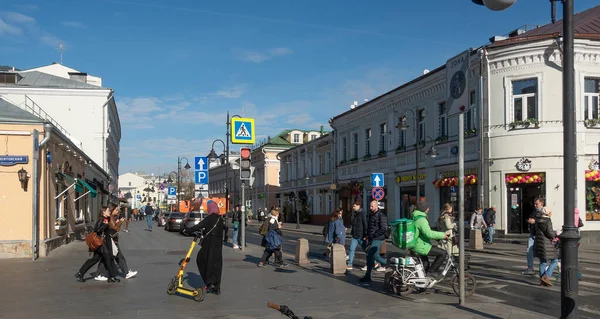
{"x": 529, "y": 123}
{"x": 592, "y": 123}
{"x": 469, "y": 133}
{"x": 441, "y": 139}
{"x": 400, "y": 149}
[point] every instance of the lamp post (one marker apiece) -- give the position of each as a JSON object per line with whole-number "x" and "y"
{"x": 228, "y": 135}
{"x": 569, "y": 237}
{"x": 213, "y": 157}
{"x": 403, "y": 125}
{"x": 187, "y": 166}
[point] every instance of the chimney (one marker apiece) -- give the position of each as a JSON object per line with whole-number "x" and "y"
{"x": 78, "y": 76}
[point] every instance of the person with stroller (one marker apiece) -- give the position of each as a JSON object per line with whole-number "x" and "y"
{"x": 210, "y": 257}
{"x": 104, "y": 253}
{"x": 423, "y": 245}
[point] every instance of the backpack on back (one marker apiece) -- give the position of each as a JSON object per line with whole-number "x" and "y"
{"x": 404, "y": 232}
{"x": 263, "y": 228}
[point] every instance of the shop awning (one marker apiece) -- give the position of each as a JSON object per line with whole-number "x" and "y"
{"x": 89, "y": 188}
{"x": 74, "y": 182}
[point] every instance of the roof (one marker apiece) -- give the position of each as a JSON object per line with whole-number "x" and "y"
{"x": 586, "y": 24}
{"x": 5, "y": 68}
{"x": 12, "y": 113}
{"x": 280, "y": 139}
{"x": 43, "y": 80}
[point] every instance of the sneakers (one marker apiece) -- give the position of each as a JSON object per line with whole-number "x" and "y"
{"x": 545, "y": 281}
{"x": 100, "y": 278}
{"x": 380, "y": 269}
{"x": 79, "y": 277}
{"x": 260, "y": 264}
{"x": 130, "y": 274}
{"x": 529, "y": 272}
{"x": 236, "y": 247}
{"x": 377, "y": 265}
{"x": 282, "y": 265}
{"x": 348, "y": 267}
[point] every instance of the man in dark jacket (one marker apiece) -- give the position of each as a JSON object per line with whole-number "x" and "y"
{"x": 359, "y": 231}
{"x": 149, "y": 212}
{"x": 376, "y": 230}
{"x": 538, "y": 205}
{"x": 490, "y": 220}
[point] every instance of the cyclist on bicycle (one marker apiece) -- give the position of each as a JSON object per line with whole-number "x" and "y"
{"x": 423, "y": 245}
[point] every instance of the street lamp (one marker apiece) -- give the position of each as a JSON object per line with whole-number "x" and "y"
{"x": 187, "y": 167}
{"x": 569, "y": 237}
{"x": 228, "y": 135}
{"x": 213, "y": 157}
{"x": 403, "y": 125}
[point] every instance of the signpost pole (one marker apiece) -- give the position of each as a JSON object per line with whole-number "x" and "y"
{"x": 461, "y": 208}
{"x": 417, "y": 144}
{"x": 243, "y": 221}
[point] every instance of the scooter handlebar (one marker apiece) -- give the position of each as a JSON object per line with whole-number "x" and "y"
{"x": 273, "y": 306}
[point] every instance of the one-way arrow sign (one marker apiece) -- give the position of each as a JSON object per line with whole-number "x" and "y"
{"x": 377, "y": 180}
{"x": 200, "y": 163}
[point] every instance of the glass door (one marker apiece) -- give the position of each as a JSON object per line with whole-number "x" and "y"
{"x": 515, "y": 211}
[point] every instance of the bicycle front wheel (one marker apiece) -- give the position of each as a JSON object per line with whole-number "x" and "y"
{"x": 470, "y": 284}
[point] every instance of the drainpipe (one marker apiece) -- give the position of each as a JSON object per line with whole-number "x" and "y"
{"x": 266, "y": 158}
{"x": 488, "y": 105}
{"x": 35, "y": 213}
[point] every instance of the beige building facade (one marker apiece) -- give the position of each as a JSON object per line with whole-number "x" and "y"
{"x": 307, "y": 180}
{"x": 51, "y": 189}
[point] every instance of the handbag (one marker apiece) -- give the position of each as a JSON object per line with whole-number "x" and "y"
{"x": 94, "y": 241}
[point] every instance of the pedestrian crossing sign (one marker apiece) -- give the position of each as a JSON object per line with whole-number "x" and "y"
{"x": 242, "y": 130}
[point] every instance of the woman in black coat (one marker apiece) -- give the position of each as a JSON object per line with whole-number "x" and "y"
{"x": 543, "y": 247}
{"x": 104, "y": 253}
{"x": 210, "y": 256}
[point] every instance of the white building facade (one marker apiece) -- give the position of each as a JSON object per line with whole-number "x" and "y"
{"x": 77, "y": 104}
{"x": 515, "y": 89}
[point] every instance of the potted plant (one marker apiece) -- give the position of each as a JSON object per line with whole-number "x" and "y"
{"x": 382, "y": 153}
{"x": 441, "y": 139}
{"x": 591, "y": 123}
{"x": 471, "y": 132}
{"x": 400, "y": 148}
{"x": 367, "y": 156}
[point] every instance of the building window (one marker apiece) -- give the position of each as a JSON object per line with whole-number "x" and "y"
{"x": 318, "y": 210}
{"x": 367, "y": 142}
{"x": 344, "y": 150}
{"x": 382, "y": 131}
{"x": 319, "y": 165}
{"x": 354, "y": 145}
{"x": 401, "y": 138}
{"x": 129, "y": 183}
{"x": 329, "y": 204}
{"x": 443, "y": 133}
{"x": 296, "y": 138}
{"x": 421, "y": 117}
{"x": 327, "y": 162}
{"x": 313, "y": 137}
{"x": 591, "y": 98}
{"x": 59, "y": 201}
{"x": 525, "y": 104}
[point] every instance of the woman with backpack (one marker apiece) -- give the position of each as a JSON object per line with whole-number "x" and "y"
{"x": 271, "y": 231}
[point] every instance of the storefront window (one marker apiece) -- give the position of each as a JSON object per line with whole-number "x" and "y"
{"x": 447, "y": 184}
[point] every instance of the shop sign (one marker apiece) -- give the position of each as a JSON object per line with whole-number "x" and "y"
{"x": 11, "y": 160}
{"x": 468, "y": 171}
{"x": 523, "y": 165}
{"x": 408, "y": 178}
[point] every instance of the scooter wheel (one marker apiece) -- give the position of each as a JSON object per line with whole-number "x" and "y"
{"x": 201, "y": 294}
{"x": 172, "y": 289}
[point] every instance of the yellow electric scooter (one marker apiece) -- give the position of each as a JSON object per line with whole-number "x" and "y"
{"x": 176, "y": 285}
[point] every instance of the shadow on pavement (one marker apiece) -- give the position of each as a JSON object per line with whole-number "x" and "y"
{"x": 251, "y": 259}
{"x": 194, "y": 280}
{"x": 477, "y": 312}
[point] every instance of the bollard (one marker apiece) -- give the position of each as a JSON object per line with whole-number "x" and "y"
{"x": 302, "y": 250}
{"x": 476, "y": 240}
{"x": 338, "y": 259}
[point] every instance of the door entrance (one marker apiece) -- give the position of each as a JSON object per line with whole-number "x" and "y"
{"x": 408, "y": 198}
{"x": 520, "y": 205}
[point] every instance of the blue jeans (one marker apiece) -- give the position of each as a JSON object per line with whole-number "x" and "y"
{"x": 530, "y": 243}
{"x": 234, "y": 235}
{"x": 372, "y": 255}
{"x": 149, "y": 221}
{"x": 490, "y": 238}
{"x": 353, "y": 244}
{"x": 548, "y": 272}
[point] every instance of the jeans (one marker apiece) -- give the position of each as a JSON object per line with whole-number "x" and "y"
{"x": 353, "y": 244}
{"x": 490, "y": 238}
{"x": 234, "y": 236}
{"x": 372, "y": 255}
{"x": 548, "y": 272}
{"x": 149, "y": 221}
{"x": 530, "y": 252}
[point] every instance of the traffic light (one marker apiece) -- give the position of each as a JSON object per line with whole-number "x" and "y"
{"x": 245, "y": 165}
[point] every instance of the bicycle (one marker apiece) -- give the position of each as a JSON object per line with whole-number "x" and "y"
{"x": 409, "y": 272}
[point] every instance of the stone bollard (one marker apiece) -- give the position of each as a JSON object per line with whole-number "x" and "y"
{"x": 302, "y": 250}
{"x": 338, "y": 259}
{"x": 476, "y": 240}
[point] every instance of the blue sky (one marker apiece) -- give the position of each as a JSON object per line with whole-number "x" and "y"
{"x": 178, "y": 66}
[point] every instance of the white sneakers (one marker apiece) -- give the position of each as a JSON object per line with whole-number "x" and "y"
{"x": 377, "y": 268}
{"x": 236, "y": 247}
{"x": 129, "y": 275}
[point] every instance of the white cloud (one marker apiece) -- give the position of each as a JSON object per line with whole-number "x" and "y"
{"x": 73, "y": 24}
{"x": 18, "y": 17}
{"x": 51, "y": 40}
{"x": 259, "y": 57}
{"x": 9, "y": 30}
{"x": 233, "y": 92}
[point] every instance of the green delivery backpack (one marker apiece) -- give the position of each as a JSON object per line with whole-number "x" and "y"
{"x": 404, "y": 233}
